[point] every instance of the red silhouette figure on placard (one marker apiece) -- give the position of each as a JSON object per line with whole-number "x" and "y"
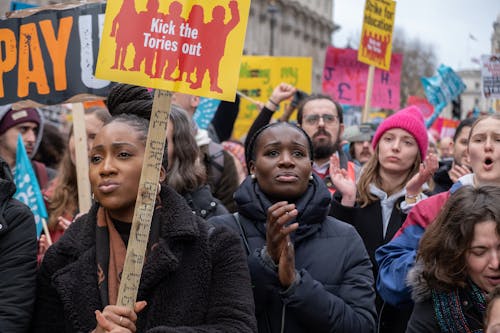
{"x": 213, "y": 39}
{"x": 123, "y": 32}
{"x": 188, "y": 62}
{"x": 143, "y": 24}
{"x": 170, "y": 55}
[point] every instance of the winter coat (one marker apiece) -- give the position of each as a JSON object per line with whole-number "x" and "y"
{"x": 442, "y": 180}
{"x": 368, "y": 222}
{"x": 203, "y": 203}
{"x": 423, "y": 318}
{"x": 18, "y": 250}
{"x": 396, "y": 258}
{"x": 334, "y": 287}
{"x": 195, "y": 280}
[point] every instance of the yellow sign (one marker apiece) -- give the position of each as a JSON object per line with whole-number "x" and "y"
{"x": 259, "y": 76}
{"x": 375, "y": 46}
{"x": 190, "y": 46}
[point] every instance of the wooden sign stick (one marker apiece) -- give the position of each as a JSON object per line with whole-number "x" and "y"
{"x": 146, "y": 196}
{"x": 82, "y": 158}
{"x": 368, "y": 97}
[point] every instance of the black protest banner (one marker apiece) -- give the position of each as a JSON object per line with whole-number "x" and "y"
{"x": 49, "y": 57}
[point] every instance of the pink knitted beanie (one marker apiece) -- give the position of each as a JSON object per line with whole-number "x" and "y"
{"x": 411, "y": 120}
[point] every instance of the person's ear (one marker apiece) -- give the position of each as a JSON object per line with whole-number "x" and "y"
{"x": 341, "y": 132}
{"x": 163, "y": 175}
{"x": 251, "y": 165}
{"x": 195, "y": 101}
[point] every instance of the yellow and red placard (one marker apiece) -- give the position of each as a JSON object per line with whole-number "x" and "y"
{"x": 375, "y": 46}
{"x": 259, "y": 75}
{"x": 188, "y": 46}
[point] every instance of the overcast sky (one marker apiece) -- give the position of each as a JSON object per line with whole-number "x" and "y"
{"x": 457, "y": 29}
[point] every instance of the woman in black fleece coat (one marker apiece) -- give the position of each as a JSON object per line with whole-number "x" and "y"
{"x": 194, "y": 278}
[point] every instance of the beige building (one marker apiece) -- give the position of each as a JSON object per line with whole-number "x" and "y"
{"x": 301, "y": 28}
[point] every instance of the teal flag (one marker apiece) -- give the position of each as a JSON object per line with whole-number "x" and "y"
{"x": 441, "y": 89}
{"x": 205, "y": 112}
{"x": 28, "y": 190}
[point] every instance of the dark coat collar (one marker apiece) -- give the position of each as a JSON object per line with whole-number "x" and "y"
{"x": 313, "y": 205}
{"x": 76, "y": 280}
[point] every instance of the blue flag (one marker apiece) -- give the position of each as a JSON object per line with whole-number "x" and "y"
{"x": 205, "y": 112}
{"x": 28, "y": 191}
{"x": 441, "y": 89}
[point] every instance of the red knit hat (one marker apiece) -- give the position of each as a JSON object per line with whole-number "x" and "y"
{"x": 14, "y": 117}
{"x": 411, "y": 120}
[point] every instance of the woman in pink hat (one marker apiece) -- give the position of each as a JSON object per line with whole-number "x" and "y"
{"x": 390, "y": 184}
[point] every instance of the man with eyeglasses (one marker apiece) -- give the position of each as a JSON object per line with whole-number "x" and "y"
{"x": 322, "y": 119}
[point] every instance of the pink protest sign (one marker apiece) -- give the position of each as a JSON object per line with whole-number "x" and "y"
{"x": 423, "y": 104}
{"x": 344, "y": 78}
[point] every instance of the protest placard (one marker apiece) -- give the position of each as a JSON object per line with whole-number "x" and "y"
{"x": 490, "y": 75}
{"x": 259, "y": 75}
{"x": 48, "y": 55}
{"x": 344, "y": 78}
{"x": 193, "y": 47}
{"x": 375, "y": 47}
{"x": 423, "y": 104}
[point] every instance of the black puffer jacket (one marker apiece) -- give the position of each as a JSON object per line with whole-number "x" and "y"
{"x": 18, "y": 250}
{"x": 334, "y": 292}
{"x": 195, "y": 280}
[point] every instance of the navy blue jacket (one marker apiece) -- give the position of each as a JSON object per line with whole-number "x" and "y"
{"x": 334, "y": 291}
{"x": 18, "y": 250}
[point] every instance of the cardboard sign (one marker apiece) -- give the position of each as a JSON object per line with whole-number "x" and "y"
{"x": 193, "y": 47}
{"x": 490, "y": 75}
{"x": 344, "y": 78}
{"x": 259, "y": 75}
{"x": 49, "y": 57}
{"x": 423, "y": 104}
{"x": 375, "y": 46}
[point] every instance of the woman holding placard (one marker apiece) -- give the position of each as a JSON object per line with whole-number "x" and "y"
{"x": 194, "y": 277}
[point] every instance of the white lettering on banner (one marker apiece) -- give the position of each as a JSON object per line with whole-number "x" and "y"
{"x": 87, "y": 51}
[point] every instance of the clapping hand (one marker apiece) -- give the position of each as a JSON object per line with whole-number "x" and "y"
{"x": 342, "y": 182}
{"x": 278, "y": 243}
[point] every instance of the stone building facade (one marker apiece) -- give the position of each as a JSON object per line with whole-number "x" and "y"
{"x": 300, "y": 28}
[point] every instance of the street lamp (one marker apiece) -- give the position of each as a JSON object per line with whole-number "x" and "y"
{"x": 272, "y": 9}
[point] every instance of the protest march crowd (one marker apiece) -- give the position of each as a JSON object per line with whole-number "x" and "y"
{"x": 306, "y": 226}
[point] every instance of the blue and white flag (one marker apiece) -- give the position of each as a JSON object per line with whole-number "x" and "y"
{"x": 441, "y": 89}
{"x": 28, "y": 190}
{"x": 205, "y": 112}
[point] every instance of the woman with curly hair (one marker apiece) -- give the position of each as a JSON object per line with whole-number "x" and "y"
{"x": 458, "y": 263}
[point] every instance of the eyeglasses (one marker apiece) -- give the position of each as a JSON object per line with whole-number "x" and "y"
{"x": 313, "y": 119}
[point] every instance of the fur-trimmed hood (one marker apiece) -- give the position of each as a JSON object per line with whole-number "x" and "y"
{"x": 420, "y": 290}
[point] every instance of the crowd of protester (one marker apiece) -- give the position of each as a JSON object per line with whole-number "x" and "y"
{"x": 306, "y": 226}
